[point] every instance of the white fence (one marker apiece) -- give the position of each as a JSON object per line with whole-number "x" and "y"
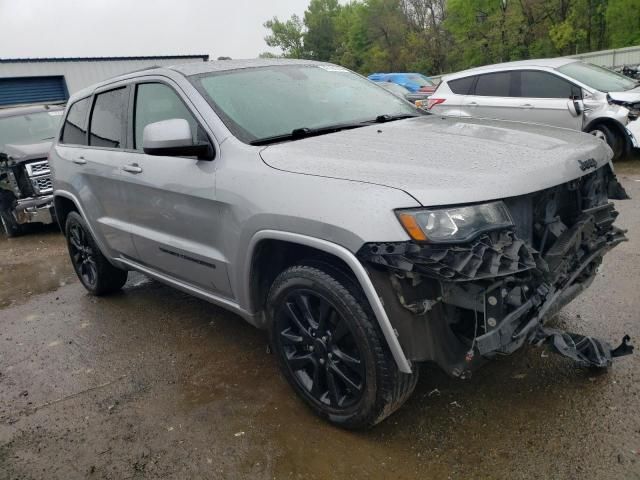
{"x": 612, "y": 58}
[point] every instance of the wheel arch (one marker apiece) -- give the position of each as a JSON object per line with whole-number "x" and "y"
{"x": 276, "y": 248}
{"x": 63, "y": 207}
{"x": 616, "y": 126}
{"x": 69, "y": 203}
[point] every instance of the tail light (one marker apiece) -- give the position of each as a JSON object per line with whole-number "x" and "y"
{"x": 432, "y": 102}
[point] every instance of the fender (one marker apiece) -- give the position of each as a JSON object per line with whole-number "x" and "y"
{"x": 356, "y": 267}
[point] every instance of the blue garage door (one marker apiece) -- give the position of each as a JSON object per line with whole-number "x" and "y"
{"x": 21, "y": 90}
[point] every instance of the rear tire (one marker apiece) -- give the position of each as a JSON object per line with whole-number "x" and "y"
{"x": 615, "y": 141}
{"x": 95, "y": 272}
{"x": 331, "y": 350}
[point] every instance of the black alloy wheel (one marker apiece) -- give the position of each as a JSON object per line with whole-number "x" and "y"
{"x": 95, "y": 272}
{"x": 330, "y": 347}
{"x": 320, "y": 350}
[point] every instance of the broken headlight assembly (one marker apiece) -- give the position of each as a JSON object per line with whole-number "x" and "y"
{"x": 454, "y": 224}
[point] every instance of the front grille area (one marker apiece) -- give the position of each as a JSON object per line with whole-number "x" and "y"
{"x": 40, "y": 167}
{"x": 39, "y": 174}
{"x": 42, "y": 184}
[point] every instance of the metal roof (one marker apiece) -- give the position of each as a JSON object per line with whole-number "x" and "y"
{"x": 204, "y": 57}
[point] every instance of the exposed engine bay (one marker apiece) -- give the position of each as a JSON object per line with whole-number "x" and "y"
{"x": 459, "y": 304}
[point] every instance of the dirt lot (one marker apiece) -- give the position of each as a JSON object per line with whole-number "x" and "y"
{"x": 152, "y": 383}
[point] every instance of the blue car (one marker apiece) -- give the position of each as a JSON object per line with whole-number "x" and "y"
{"x": 414, "y": 82}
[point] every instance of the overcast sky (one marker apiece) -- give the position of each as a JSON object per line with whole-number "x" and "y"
{"x": 88, "y": 28}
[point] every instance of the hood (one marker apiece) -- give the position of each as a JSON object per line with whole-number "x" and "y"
{"x": 443, "y": 161}
{"x": 22, "y": 153}
{"x": 628, "y": 96}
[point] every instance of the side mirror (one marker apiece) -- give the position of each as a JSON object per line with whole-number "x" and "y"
{"x": 575, "y": 107}
{"x": 173, "y": 138}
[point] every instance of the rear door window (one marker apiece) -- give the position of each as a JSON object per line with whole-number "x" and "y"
{"x": 107, "y": 126}
{"x": 74, "y": 131}
{"x": 462, "y": 86}
{"x": 536, "y": 84}
{"x": 494, "y": 85}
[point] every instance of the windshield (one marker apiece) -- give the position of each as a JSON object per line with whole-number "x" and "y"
{"x": 29, "y": 128}
{"x": 598, "y": 77}
{"x": 395, "y": 88}
{"x": 264, "y": 102}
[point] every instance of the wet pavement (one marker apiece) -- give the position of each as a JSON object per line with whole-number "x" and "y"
{"x": 152, "y": 383}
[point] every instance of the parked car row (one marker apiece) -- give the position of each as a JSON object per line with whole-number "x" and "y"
{"x": 559, "y": 92}
{"x": 364, "y": 234}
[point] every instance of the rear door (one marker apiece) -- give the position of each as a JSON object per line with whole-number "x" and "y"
{"x": 172, "y": 207}
{"x": 493, "y": 96}
{"x": 91, "y": 150}
{"x": 544, "y": 98}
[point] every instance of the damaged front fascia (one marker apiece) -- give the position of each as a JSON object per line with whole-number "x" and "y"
{"x": 460, "y": 304}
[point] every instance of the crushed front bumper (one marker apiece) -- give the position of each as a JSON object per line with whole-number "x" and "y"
{"x": 35, "y": 210}
{"x": 461, "y": 304}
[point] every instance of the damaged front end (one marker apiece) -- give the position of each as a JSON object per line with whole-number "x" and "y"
{"x": 461, "y": 303}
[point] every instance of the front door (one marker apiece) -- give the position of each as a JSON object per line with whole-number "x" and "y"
{"x": 545, "y": 99}
{"x": 172, "y": 205}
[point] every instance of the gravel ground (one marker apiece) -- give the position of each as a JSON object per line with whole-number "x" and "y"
{"x": 151, "y": 383}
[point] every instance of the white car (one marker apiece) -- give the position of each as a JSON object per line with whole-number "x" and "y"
{"x": 562, "y": 92}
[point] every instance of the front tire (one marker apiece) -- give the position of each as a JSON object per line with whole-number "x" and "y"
{"x": 613, "y": 139}
{"x": 331, "y": 350}
{"x": 95, "y": 272}
{"x": 10, "y": 227}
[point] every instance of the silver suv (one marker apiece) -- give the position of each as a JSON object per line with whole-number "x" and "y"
{"x": 561, "y": 92}
{"x": 365, "y": 236}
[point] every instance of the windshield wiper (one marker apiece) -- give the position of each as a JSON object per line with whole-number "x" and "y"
{"x": 390, "y": 118}
{"x": 305, "y": 132}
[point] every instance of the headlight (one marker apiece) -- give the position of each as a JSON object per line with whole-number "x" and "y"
{"x": 454, "y": 224}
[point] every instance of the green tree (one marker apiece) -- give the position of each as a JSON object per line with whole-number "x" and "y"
{"x": 320, "y": 38}
{"x": 288, "y": 36}
{"x": 623, "y": 23}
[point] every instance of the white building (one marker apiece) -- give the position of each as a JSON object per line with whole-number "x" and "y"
{"x": 39, "y": 80}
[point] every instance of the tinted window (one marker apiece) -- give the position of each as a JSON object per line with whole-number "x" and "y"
{"x": 461, "y": 86}
{"x": 545, "y": 85}
{"x": 156, "y": 102}
{"x": 75, "y": 130}
{"x": 108, "y": 118}
{"x": 494, "y": 84}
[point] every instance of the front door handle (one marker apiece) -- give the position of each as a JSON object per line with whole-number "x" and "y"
{"x": 132, "y": 168}
{"x": 473, "y": 104}
{"x": 526, "y": 105}
{"x": 79, "y": 161}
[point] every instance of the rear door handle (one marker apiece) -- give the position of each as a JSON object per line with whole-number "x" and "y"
{"x": 526, "y": 105}
{"x": 80, "y": 161}
{"x": 473, "y": 104}
{"x": 132, "y": 168}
